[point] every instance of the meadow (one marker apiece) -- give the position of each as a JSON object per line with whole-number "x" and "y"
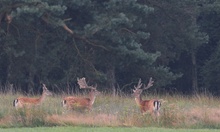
{"x": 119, "y": 112}
{"x": 103, "y": 129}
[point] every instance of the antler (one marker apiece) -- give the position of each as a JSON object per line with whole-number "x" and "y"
{"x": 82, "y": 83}
{"x": 139, "y": 85}
{"x": 150, "y": 84}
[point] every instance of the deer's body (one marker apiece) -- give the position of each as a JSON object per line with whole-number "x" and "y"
{"x": 77, "y": 102}
{"x": 22, "y": 102}
{"x": 80, "y": 102}
{"x": 152, "y": 106}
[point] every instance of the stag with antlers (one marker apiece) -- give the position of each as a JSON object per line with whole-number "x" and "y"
{"x": 153, "y": 105}
{"x": 84, "y": 103}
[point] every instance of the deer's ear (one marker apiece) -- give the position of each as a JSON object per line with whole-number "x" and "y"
{"x": 44, "y": 87}
{"x": 134, "y": 90}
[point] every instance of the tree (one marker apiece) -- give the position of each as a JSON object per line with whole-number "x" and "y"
{"x": 57, "y": 41}
{"x": 175, "y": 33}
{"x": 209, "y": 54}
{"x": 120, "y": 28}
{"x": 23, "y": 37}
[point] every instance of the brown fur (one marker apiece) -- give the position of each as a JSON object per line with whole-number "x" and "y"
{"x": 85, "y": 103}
{"x": 72, "y": 102}
{"x": 77, "y": 102}
{"x": 28, "y": 102}
{"x": 146, "y": 105}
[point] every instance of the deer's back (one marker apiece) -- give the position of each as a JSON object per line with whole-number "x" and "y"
{"x": 25, "y": 100}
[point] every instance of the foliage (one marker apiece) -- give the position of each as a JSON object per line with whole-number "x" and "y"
{"x": 111, "y": 42}
{"x": 209, "y": 53}
{"x": 105, "y": 43}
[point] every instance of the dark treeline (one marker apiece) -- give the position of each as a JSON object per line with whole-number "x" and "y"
{"x": 112, "y": 43}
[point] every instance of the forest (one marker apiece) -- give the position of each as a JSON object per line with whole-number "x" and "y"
{"x": 112, "y": 43}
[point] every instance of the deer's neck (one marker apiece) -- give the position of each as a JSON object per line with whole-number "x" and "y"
{"x": 138, "y": 99}
{"x": 92, "y": 98}
{"x": 41, "y": 99}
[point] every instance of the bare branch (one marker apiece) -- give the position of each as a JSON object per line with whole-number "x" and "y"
{"x": 67, "y": 29}
{"x": 127, "y": 30}
{"x": 84, "y": 39}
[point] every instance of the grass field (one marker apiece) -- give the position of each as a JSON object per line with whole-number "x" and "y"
{"x": 120, "y": 112}
{"x": 102, "y": 129}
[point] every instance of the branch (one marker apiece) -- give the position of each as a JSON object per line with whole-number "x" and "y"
{"x": 85, "y": 60}
{"x": 88, "y": 41}
{"x": 45, "y": 18}
{"x": 67, "y": 29}
{"x": 127, "y": 30}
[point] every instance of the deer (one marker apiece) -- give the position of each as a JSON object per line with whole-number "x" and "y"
{"x": 152, "y": 106}
{"x": 81, "y": 102}
{"x": 26, "y": 102}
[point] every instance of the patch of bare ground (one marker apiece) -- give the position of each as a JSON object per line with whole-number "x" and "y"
{"x": 81, "y": 119}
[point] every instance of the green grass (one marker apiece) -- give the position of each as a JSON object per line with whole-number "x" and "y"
{"x": 102, "y": 129}
{"x": 201, "y": 112}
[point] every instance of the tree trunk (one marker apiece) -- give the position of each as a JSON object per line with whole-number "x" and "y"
{"x": 30, "y": 83}
{"x": 111, "y": 79}
{"x": 194, "y": 74}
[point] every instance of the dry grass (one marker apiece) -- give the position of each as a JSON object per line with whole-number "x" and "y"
{"x": 84, "y": 119}
{"x": 203, "y": 115}
{"x": 177, "y": 111}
